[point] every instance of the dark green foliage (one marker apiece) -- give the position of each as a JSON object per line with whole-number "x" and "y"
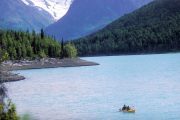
{"x": 154, "y": 28}
{"x": 3, "y": 56}
{"x": 7, "y": 109}
{"x": 8, "y": 112}
{"x": 24, "y": 45}
{"x": 20, "y": 45}
{"x": 42, "y": 34}
{"x": 62, "y": 48}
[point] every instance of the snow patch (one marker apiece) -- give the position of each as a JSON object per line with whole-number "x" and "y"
{"x": 57, "y": 8}
{"x": 24, "y": 1}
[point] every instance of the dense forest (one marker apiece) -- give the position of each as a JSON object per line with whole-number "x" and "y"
{"x": 30, "y": 45}
{"x": 154, "y": 28}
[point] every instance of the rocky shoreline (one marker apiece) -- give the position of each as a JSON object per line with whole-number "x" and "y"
{"x": 38, "y": 64}
{"x": 6, "y": 76}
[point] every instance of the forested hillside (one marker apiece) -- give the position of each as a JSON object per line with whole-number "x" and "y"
{"x": 154, "y": 28}
{"x": 26, "y": 45}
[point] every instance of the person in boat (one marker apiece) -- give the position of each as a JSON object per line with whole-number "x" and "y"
{"x": 128, "y": 108}
{"x": 124, "y": 107}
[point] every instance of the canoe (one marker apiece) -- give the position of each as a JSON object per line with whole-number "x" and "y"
{"x": 128, "y": 111}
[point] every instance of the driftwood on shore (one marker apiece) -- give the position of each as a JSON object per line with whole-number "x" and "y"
{"x": 7, "y": 66}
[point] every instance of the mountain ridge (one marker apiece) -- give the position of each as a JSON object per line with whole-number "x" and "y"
{"x": 87, "y": 16}
{"x": 16, "y": 15}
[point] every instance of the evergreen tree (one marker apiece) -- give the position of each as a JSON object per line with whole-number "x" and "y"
{"x": 42, "y": 34}
{"x": 62, "y": 48}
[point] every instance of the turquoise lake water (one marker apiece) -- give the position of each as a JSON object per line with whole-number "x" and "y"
{"x": 151, "y": 83}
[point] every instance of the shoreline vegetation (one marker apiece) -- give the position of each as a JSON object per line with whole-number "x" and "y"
{"x": 30, "y": 50}
{"x": 10, "y": 65}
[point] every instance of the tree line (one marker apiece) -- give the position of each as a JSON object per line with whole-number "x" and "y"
{"x": 31, "y": 45}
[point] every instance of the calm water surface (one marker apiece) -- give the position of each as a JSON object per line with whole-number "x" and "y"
{"x": 151, "y": 83}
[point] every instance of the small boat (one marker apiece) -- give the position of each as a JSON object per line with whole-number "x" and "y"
{"x": 128, "y": 111}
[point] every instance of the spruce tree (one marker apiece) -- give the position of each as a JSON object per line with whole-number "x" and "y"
{"x": 62, "y": 49}
{"x": 42, "y": 34}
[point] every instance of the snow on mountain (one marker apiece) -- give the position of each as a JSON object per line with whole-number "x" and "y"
{"x": 16, "y": 15}
{"x": 57, "y": 8}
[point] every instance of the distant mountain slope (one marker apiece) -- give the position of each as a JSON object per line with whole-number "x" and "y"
{"x": 87, "y": 16}
{"x": 14, "y": 14}
{"x": 154, "y": 28}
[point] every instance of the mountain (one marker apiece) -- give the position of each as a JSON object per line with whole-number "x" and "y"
{"x": 56, "y": 8}
{"x": 14, "y": 14}
{"x": 154, "y": 28}
{"x": 31, "y": 14}
{"x": 87, "y": 16}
